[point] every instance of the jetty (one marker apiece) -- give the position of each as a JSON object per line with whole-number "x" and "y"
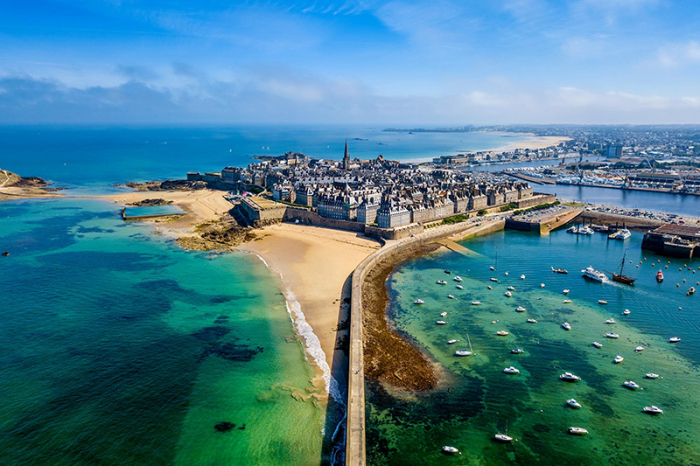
{"x": 138, "y": 218}
{"x": 543, "y": 222}
{"x": 673, "y": 240}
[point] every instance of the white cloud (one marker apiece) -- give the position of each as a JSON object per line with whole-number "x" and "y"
{"x": 678, "y": 55}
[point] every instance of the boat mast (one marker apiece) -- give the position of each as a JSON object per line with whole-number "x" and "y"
{"x": 622, "y": 266}
{"x": 470, "y": 344}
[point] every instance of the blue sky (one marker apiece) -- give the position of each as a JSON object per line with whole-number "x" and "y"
{"x": 405, "y": 62}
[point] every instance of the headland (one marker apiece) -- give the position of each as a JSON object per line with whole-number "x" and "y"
{"x": 13, "y": 186}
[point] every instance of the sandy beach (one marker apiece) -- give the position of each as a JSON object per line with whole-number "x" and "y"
{"x": 539, "y": 142}
{"x": 316, "y": 265}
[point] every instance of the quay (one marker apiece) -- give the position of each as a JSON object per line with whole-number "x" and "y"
{"x": 673, "y": 240}
{"x": 543, "y": 222}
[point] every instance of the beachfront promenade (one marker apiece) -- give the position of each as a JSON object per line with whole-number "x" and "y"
{"x": 355, "y": 448}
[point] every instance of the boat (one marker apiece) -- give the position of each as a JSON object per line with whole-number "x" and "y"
{"x": 531, "y": 321}
{"x": 631, "y": 385}
{"x": 457, "y": 279}
{"x": 520, "y": 309}
{"x": 541, "y": 285}
{"x": 566, "y": 326}
{"x": 651, "y": 375}
{"x": 492, "y": 268}
{"x": 506, "y": 274}
{"x": 448, "y": 450}
{"x": 674, "y": 339}
{"x": 418, "y": 301}
{"x": 618, "y": 359}
{"x": 511, "y": 288}
{"x": 572, "y": 230}
{"x": 659, "y": 276}
{"x": 465, "y": 352}
{"x": 612, "y": 335}
{"x": 602, "y": 302}
{"x": 577, "y": 431}
{"x": 569, "y": 377}
{"x": 441, "y": 282}
{"x": 5, "y": 254}
{"x": 691, "y": 291}
{"x": 459, "y": 287}
{"x": 587, "y": 231}
{"x": 507, "y": 294}
{"x": 564, "y": 271}
{"x": 517, "y": 351}
{"x": 639, "y": 348}
{"x": 626, "y": 312}
{"x": 567, "y": 301}
{"x": 653, "y": 410}
{"x": 447, "y": 272}
{"x": 597, "y": 345}
{"x": 522, "y": 277}
{"x": 503, "y": 438}
{"x": 610, "y": 321}
{"x": 443, "y": 314}
{"x": 573, "y": 403}
{"x": 613, "y": 235}
{"x": 440, "y": 322}
{"x": 623, "y": 234}
{"x": 511, "y": 370}
{"x": 566, "y": 291}
{"x": 489, "y": 287}
{"x": 452, "y": 342}
{"x": 592, "y": 274}
{"x": 620, "y": 277}
{"x": 450, "y": 296}
{"x": 494, "y": 279}
{"x": 476, "y": 303}
{"x": 502, "y": 333}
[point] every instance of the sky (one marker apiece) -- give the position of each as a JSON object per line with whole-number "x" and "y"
{"x": 400, "y": 62}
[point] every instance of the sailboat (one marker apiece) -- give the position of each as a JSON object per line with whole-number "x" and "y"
{"x": 505, "y": 438}
{"x": 619, "y": 277}
{"x": 465, "y": 352}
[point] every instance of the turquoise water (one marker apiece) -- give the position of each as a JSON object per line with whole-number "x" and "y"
{"x": 117, "y": 347}
{"x": 477, "y": 400}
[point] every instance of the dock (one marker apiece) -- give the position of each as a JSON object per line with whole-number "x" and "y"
{"x": 543, "y": 222}
{"x": 458, "y": 248}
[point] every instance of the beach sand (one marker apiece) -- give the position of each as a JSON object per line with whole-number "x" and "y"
{"x": 316, "y": 265}
{"x": 540, "y": 142}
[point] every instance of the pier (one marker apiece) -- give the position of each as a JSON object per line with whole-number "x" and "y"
{"x": 545, "y": 221}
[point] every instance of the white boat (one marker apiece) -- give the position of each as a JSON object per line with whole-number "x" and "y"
{"x": 541, "y": 285}
{"x": 441, "y": 282}
{"x": 463, "y": 353}
{"x": 522, "y": 277}
{"x": 506, "y": 274}
{"x": 613, "y": 235}
{"x": 588, "y": 231}
{"x": 623, "y": 234}
{"x": 517, "y": 351}
{"x": 520, "y": 309}
{"x": 573, "y": 403}
{"x": 441, "y": 322}
{"x": 566, "y": 291}
{"x": 572, "y": 229}
{"x": 503, "y": 438}
{"x": 626, "y": 312}
{"x": 443, "y": 314}
{"x": 418, "y": 301}
{"x": 610, "y": 321}
{"x": 476, "y": 303}
{"x": 507, "y": 294}
{"x": 651, "y": 375}
{"x": 674, "y": 339}
{"x": 569, "y": 377}
{"x": 531, "y": 321}
{"x": 639, "y": 348}
{"x": 448, "y": 450}
{"x": 457, "y": 279}
{"x": 612, "y": 335}
{"x": 492, "y": 268}
{"x": 459, "y": 287}
{"x": 597, "y": 345}
{"x": 493, "y": 279}
{"x": 511, "y": 288}
{"x": 602, "y": 301}
{"x": 502, "y": 333}
{"x": 653, "y": 410}
{"x": 450, "y": 296}
{"x": 452, "y": 342}
{"x": 511, "y": 370}
{"x": 566, "y": 326}
{"x": 592, "y": 274}
{"x": 618, "y": 359}
{"x": 631, "y": 385}
{"x": 567, "y": 301}
{"x": 489, "y": 287}
{"x": 577, "y": 431}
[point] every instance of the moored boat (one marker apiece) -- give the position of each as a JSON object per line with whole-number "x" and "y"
{"x": 450, "y": 296}
{"x": 503, "y": 438}
{"x": 569, "y": 377}
{"x": 691, "y": 291}
{"x": 618, "y": 359}
{"x": 566, "y": 326}
{"x": 653, "y": 410}
{"x": 531, "y": 321}
{"x": 592, "y": 274}
{"x": 493, "y": 279}
{"x": 602, "y": 301}
{"x": 610, "y": 321}
{"x": 626, "y": 312}
{"x": 573, "y": 403}
{"x": 659, "y": 276}
{"x": 448, "y": 450}
{"x": 612, "y": 335}
{"x": 564, "y": 271}
{"x": 459, "y": 287}
{"x": 566, "y": 291}
{"x": 577, "y": 431}
{"x": 441, "y": 282}
{"x": 441, "y": 322}
{"x": 443, "y": 314}
{"x": 630, "y": 384}
{"x": 597, "y": 345}
{"x": 452, "y": 342}
{"x": 511, "y": 288}
{"x": 522, "y": 277}
{"x": 520, "y": 309}
{"x": 507, "y": 294}
{"x": 463, "y": 353}
{"x": 511, "y": 370}
{"x": 418, "y": 301}
{"x": 502, "y": 333}
{"x": 517, "y": 351}
{"x": 651, "y": 375}
{"x": 567, "y": 301}
{"x": 674, "y": 339}
{"x": 639, "y": 348}
{"x": 457, "y": 279}
{"x": 476, "y": 303}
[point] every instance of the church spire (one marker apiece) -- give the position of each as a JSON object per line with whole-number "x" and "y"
{"x": 346, "y": 157}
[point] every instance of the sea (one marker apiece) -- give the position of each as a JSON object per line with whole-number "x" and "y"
{"x": 118, "y": 347}
{"x": 477, "y": 400}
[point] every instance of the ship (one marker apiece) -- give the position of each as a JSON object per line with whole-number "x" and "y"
{"x": 592, "y": 274}
{"x": 619, "y": 277}
{"x": 659, "y": 276}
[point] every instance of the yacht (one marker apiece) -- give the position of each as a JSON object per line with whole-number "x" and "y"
{"x": 573, "y": 403}
{"x": 502, "y": 333}
{"x": 591, "y": 273}
{"x": 507, "y": 294}
{"x": 493, "y": 279}
{"x": 489, "y": 287}
{"x": 511, "y": 370}
{"x": 651, "y": 375}
{"x": 631, "y": 385}
{"x": 610, "y": 321}
{"x": 452, "y": 342}
{"x": 443, "y": 314}
{"x": 531, "y": 321}
{"x": 503, "y": 438}
{"x": 476, "y": 303}
{"x": 588, "y": 231}
{"x": 522, "y": 277}
{"x": 567, "y": 301}
{"x": 448, "y": 450}
{"x": 463, "y": 353}
{"x": 623, "y": 234}
{"x": 517, "y": 351}
{"x": 418, "y": 301}
{"x": 572, "y": 229}
{"x": 441, "y": 322}
{"x": 639, "y": 348}
{"x": 492, "y": 268}
{"x": 674, "y": 339}
{"x": 457, "y": 279}
{"x": 602, "y": 301}
{"x": 566, "y": 291}
{"x": 597, "y": 345}
{"x": 618, "y": 359}
{"x": 441, "y": 282}
{"x": 653, "y": 410}
{"x": 459, "y": 287}
{"x": 577, "y": 431}
{"x": 569, "y": 377}
{"x": 520, "y": 309}
{"x": 450, "y": 296}
{"x": 612, "y": 335}
{"x": 626, "y": 312}
{"x": 511, "y": 288}
{"x": 566, "y": 326}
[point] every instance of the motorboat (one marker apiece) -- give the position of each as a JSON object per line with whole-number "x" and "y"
{"x": 567, "y": 301}
{"x": 511, "y": 288}
{"x": 489, "y": 287}
{"x": 626, "y": 312}
{"x": 476, "y": 303}
{"x": 597, "y": 345}
{"x": 448, "y": 450}
{"x": 572, "y": 230}
{"x": 563, "y": 271}
{"x": 418, "y": 301}
{"x": 443, "y": 314}
{"x": 441, "y": 282}
{"x": 522, "y": 277}
{"x": 517, "y": 351}
{"x": 610, "y": 321}
{"x": 623, "y": 234}
{"x": 573, "y": 403}
{"x": 577, "y": 431}
{"x": 639, "y": 348}
{"x": 493, "y": 279}
{"x": 507, "y": 294}
{"x": 674, "y": 339}
{"x": 691, "y": 291}
{"x": 566, "y": 291}
{"x": 631, "y": 385}
{"x": 457, "y": 279}
{"x": 502, "y": 333}
{"x": 492, "y": 268}
{"x": 569, "y": 377}
{"x": 651, "y": 375}
{"x": 531, "y": 321}
{"x": 592, "y": 274}
{"x": 450, "y": 296}
{"x": 602, "y": 302}
{"x": 653, "y": 410}
{"x": 459, "y": 287}
{"x": 503, "y": 438}
{"x": 541, "y": 285}
{"x": 441, "y": 322}
{"x": 506, "y": 274}
{"x": 566, "y": 326}
{"x": 452, "y": 342}
{"x": 511, "y": 370}
{"x": 447, "y": 272}
{"x": 618, "y": 359}
{"x": 520, "y": 309}
{"x": 613, "y": 235}
{"x": 659, "y": 276}
{"x": 612, "y": 335}
{"x": 587, "y": 231}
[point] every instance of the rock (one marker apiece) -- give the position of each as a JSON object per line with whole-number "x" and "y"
{"x": 225, "y": 426}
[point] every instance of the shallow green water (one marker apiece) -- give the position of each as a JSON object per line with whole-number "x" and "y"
{"x": 117, "y": 347}
{"x": 477, "y": 400}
